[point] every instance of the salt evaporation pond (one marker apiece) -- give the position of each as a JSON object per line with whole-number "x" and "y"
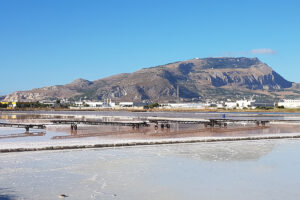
{"x": 263, "y": 169}
{"x": 254, "y": 169}
{"x": 61, "y": 136}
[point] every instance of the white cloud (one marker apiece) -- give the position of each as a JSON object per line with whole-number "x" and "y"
{"x": 263, "y": 51}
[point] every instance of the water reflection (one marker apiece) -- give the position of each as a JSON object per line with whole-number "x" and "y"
{"x": 25, "y": 134}
{"x": 63, "y": 132}
{"x": 6, "y": 117}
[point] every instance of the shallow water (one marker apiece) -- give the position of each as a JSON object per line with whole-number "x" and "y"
{"x": 266, "y": 169}
{"x": 63, "y": 133}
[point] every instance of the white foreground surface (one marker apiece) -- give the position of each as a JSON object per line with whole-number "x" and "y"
{"x": 261, "y": 169}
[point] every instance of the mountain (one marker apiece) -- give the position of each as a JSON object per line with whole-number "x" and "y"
{"x": 2, "y": 98}
{"x": 197, "y": 79}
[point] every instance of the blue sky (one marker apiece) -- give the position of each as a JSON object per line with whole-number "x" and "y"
{"x": 53, "y": 42}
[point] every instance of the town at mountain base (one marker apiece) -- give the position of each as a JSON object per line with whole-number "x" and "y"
{"x": 191, "y": 80}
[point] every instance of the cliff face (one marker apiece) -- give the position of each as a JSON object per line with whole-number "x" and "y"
{"x": 196, "y": 78}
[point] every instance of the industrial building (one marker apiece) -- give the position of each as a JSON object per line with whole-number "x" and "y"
{"x": 289, "y": 103}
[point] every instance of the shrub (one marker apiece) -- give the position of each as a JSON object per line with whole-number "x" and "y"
{"x": 153, "y": 105}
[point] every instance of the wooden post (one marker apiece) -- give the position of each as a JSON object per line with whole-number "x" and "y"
{"x": 225, "y": 125}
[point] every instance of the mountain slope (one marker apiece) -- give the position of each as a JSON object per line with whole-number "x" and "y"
{"x": 206, "y": 78}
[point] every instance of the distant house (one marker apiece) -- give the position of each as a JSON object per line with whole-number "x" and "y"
{"x": 126, "y": 104}
{"x": 184, "y": 105}
{"x": 290, "y": 103}
{"x": 230, "y": 105}
{"x": 112, "y": 104}
{"x": 94, "y": 104}
{"x": 220, "y": 105}
{"x": 48, "y": 103}
{"x": 240, "y": 104}
{"x": 78, "y": 103}
{"x": 245, "y": 104}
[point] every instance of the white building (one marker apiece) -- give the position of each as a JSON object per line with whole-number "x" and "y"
{"x": 230, "y": 105}
{"x": 112, "y": 104}
{"x": 245, "y": 103}
{"x": 94, "y": 104}
{"x": 240, "y": 104}
{"x": 48, "y": 103}
{"x": 220, "y": 105}
{"x": 184, "y": 105}
{"x": 126, "y": 104}
{"x": 78, "y": 103}
{"x": 290, "y": 103}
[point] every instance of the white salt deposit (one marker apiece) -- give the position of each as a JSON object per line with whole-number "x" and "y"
{"x": 261, "y": 169}
{"x": 103, "y": 142}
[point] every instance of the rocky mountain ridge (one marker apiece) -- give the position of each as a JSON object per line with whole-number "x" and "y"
{"x": 197, "y": 79}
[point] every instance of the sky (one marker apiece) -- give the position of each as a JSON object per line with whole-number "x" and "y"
{"x": 53, "y": 42}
